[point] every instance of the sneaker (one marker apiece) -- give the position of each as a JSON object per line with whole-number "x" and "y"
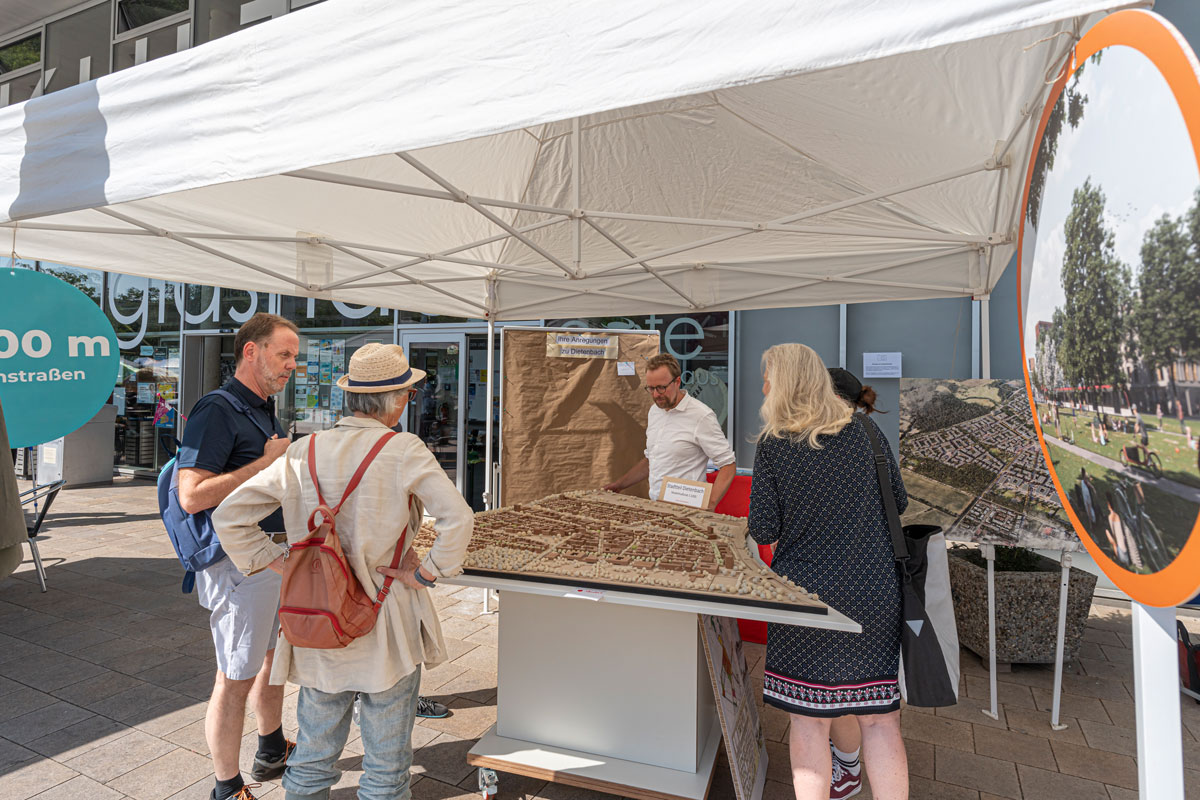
{"x": 268, "y": 768}
{"x": 843, "y": 783}
{"x": 243, "y": 793}
{"x": 431, "y": 709}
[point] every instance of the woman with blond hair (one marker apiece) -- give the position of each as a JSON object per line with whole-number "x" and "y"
{"x": 816, "y": 495}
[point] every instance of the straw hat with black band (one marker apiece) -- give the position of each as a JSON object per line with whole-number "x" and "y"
{"x": 376, "y": 367}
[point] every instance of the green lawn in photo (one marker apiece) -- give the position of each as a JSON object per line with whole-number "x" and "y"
{"x": 1180, "y": 467}
{"x": 935, "y": 494}
{"x": 1173, "y": 516}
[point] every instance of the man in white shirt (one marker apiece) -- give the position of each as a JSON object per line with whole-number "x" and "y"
{"x": 682, "y": 436}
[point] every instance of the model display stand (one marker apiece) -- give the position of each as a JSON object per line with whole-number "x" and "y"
{"x": 601, "y": 540}
{"x": 602, "y": 679}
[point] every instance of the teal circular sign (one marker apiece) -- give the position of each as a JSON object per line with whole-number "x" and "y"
{"x": 58, "y": 357}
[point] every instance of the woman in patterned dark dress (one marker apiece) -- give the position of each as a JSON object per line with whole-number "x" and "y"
{"x": 816, "y": 495}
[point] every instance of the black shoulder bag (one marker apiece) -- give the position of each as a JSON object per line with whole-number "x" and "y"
{"x": 924, "y": 676}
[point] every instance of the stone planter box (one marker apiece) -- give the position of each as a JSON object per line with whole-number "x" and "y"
{"x": 1026, "y": 610}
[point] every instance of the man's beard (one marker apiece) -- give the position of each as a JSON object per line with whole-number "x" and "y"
{"x": 274, "y": 382}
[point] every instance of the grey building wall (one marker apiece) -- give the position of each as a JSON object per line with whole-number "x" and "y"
{"x": 934, "y": 337}
{"x": 816, "y": 327}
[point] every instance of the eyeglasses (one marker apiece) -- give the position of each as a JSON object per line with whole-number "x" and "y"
{"x": 660, "y": 389}
{"x": 412, "y": 394}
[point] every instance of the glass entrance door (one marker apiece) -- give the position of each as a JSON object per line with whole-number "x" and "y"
{"x": 436, "y": 415}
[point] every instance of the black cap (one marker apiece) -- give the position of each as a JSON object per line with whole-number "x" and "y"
{"x": 845, "y": 384}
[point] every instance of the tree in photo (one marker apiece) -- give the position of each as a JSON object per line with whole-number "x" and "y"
{"x": 1096, "y": 285}
{"x": 1168, "y": 282}
{"x": 1048, "y": 375}
{"x": 1067, "y": 111}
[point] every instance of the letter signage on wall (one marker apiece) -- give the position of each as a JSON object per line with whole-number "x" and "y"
{"x": 58, "y": 357}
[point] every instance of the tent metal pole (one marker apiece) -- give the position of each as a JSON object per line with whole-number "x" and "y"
{"x": 418, "y": 257}
{"x": 974, "y": 338}
{"x": 1034, "y": 104}
{"x": 640, "y": 277}
{"x": 616, "y": 243}
{"x": 49, "y": 226}
{"x": 985, "y": 338}
{"x": 489, "y": 500}
{"x": 783, "y": 221}
{"x": 422, "y": 258}
{"x": 418, "y": 281}
{"x": 489, "y": 432}
{"x": 576, "y": 193}
{"x": 814, "y": 230}
{"x": 463, "y": 197}
{"x": 989, "y": 553}
{"x": 842, "y": 335}
{"x": 803, "y": 215}
{"x": 873, "y": 269}
{"x": 600, "y": 292}
{"x": 201, "y": 247}
{"x": 812, "y": 279}
{"x": 1063, "y": 587}
{"x": 419, "y": 191}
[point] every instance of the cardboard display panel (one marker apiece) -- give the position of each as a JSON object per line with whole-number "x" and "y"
{"x": 573, "y": 419}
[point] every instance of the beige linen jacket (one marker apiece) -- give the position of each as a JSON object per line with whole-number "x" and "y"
{"x": 407, "y": 632}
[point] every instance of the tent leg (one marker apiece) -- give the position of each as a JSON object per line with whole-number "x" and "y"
{"x": 489, "y": 500}
{"x": 985, "y": 338}
{"x": 989, "y": 553}
{"x": 488, "y": 431}
{"x": 37, "y": 562}
{"x": 1063, "y": 587}
{"x": 1156, "y": 700}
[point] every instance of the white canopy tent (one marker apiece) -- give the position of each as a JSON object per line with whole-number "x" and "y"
{"x": 507, "y": 160}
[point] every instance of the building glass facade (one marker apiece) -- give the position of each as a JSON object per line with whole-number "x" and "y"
{"x": 176, "y": 344}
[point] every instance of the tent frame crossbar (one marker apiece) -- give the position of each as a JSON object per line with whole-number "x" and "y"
{"x": 649, "y": 269}
{"x": 463, "y": 197}
{"x": 419, "y": 281}
{"x": 740, "y": 227}
{"x": 783, "y": 223}
{"x": 851, "y": 277}
{"x": 439, "y": 256}
{"x": 212, "y": 251}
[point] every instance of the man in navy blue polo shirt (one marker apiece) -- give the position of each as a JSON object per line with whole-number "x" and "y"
{"x": 224, "y": 444}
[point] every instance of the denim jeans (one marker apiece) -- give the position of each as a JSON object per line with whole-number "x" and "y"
{"x": 386, "y": 722}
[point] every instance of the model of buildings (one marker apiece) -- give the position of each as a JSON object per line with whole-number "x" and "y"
{"x": 627, "y": 542}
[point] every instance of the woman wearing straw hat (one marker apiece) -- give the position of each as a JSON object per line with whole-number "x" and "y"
{"x": 384, "y": 666}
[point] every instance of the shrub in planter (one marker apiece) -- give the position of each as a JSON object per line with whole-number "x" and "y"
{"x": 1026, "y": 604}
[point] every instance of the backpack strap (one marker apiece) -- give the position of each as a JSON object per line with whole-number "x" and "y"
{"x": 358, "y": 473}
{"x": 239, "y": 405}
{"x": 387, "y": 582}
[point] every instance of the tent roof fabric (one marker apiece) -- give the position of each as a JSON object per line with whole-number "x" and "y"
{"x": 535, "y": 159}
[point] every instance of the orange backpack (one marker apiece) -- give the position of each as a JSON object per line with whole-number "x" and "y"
{"x": 322, "y": 604}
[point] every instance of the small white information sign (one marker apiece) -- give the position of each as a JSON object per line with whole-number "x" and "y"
{"x": 682, "y": 492}
{"x": 881, "y": 365}
{"x": 580, "y": 345}
{"x": 626, "y": 368}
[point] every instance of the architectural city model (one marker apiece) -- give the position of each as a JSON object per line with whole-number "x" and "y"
{"x": 606, "y": 540}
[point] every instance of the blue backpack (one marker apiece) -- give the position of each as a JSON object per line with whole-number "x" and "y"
{"x": 192, "y": 535}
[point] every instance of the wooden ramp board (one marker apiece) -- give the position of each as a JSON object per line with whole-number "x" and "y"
{"x": 599, "y": 773}
{"x": 609, "y": 541}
